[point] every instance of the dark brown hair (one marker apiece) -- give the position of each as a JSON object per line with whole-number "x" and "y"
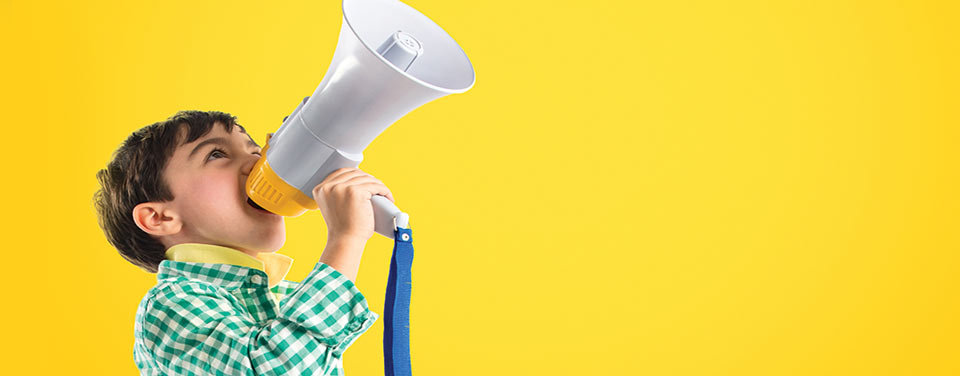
{"x": 135, "y": 175}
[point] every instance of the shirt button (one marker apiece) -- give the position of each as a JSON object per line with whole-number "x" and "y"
{"x": 255, "y": 279}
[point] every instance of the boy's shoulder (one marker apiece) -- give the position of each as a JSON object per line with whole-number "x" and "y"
{"x": 177, "y": 288}
{"x": 186, "y": 279}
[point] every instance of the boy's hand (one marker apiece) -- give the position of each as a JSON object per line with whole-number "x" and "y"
{"x": 344, "y": 200}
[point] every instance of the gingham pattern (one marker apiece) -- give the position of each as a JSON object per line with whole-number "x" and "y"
{"x": 219, "y": 319}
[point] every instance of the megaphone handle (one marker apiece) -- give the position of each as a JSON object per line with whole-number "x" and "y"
{"x": 387, "y": 217}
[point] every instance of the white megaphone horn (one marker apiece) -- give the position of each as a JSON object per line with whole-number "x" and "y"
{"x": 390, "y": 59}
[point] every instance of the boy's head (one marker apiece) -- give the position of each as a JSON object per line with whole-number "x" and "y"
{"x": 183, "y": 180}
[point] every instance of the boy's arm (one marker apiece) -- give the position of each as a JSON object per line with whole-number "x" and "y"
{"x": 192, "y": 329}
{"x": 343, "y": 253}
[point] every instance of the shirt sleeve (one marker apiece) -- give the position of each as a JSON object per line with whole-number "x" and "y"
{"x": 192, "y": 329}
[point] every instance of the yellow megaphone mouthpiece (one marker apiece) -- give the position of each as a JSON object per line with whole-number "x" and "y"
{"x": 268, "y": 191}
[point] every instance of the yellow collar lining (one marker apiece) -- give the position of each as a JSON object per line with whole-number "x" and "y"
{"x": 275, "y": 265}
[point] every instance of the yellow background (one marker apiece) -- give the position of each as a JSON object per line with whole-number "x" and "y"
{"x": 631, "y": 187}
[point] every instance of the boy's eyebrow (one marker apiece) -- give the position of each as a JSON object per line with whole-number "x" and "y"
{"x": 218, "y": 141}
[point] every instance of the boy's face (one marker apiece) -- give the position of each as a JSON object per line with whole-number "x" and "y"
{"x": 208, "y": 180}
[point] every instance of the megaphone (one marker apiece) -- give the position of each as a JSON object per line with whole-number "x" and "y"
{"x": 389, "y": 60}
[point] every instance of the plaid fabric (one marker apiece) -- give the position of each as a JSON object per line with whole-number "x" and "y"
{"x": 219, "y": 319}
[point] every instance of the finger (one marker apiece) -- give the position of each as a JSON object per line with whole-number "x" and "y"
{"x": 269, "y": 135}
{"x": 362, "y": 180}
{"x": 359, "y": 180}
{"x": 340, "y": 175}
{"x": 390, "y": 196}
{"x": 375, "y": 189}
{"x": 334, "y": 178}
{"x": 371, "y": 179}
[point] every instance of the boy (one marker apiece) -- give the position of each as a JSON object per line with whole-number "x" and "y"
{"x": 173, "y": 202}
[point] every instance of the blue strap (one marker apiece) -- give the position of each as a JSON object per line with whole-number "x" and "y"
{"x": 396, "y": 310}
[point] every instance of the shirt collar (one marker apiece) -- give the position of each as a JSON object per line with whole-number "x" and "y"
{"x": 275, "y": 265}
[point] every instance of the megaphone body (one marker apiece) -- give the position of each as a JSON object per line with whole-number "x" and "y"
{"x": 389, "y": 60}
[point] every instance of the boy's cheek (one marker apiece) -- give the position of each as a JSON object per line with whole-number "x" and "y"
{"x": 210, "y": 199}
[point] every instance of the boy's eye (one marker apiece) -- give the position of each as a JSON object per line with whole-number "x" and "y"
{"x": 224, "y": 152}
{"x": 215, "y": 151}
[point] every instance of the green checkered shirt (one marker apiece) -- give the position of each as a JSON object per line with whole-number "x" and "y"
{"x": 220, "y": 319}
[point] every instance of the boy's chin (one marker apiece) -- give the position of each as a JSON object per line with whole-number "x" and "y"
{"x": 264, "y": 238}
{"x": 263, "y": 248}
{"x": 273, "y": 245}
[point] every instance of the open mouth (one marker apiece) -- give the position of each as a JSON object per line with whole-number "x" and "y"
{"x": 255, "y": 206}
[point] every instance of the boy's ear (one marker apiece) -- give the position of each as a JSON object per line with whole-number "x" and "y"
{"x": 156, "y": 219}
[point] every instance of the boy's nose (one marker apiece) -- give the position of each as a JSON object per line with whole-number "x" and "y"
{"x": 249, "y": 163}
{"x": 247, "y": 168}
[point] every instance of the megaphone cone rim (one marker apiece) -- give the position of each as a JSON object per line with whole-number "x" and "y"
{"x": 372, "y": 50}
